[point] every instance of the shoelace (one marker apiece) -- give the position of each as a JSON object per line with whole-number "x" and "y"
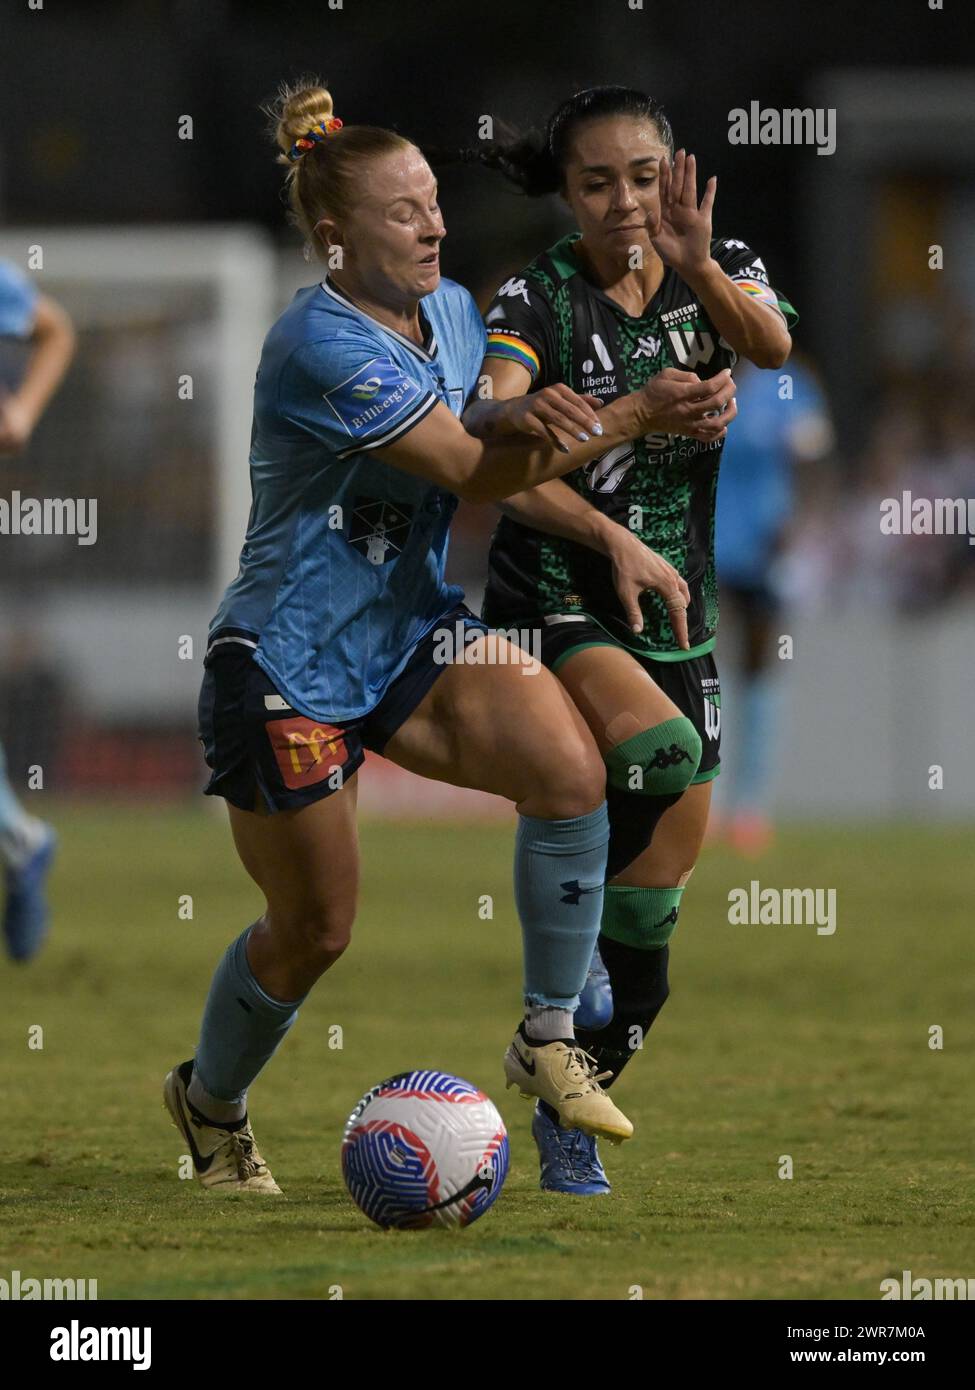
{"x": 242, "y": 1146}
{"x": 580, "y": 1154}
{"x": 581, "y": 1067}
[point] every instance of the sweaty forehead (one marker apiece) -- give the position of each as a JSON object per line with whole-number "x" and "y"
{"x": 401, "y": 174}
{"x": 616, "y": 140}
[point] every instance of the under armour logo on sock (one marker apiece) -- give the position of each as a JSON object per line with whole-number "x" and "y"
{"x": 574, "y": 891}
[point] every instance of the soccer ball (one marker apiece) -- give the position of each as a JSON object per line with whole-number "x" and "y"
{"x": 424, "y": 1149}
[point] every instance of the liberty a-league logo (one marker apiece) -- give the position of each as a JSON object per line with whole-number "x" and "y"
{"x": 711, "y": 691}
{"x": 379, "y": 529}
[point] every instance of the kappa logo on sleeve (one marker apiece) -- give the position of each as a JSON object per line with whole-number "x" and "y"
{"x": 306, "y": 750}
{"x": 515, "y": 288}
{"x": 374, "y": 399}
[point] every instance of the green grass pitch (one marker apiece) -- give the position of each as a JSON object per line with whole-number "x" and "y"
{"x": 775, "y": 1041}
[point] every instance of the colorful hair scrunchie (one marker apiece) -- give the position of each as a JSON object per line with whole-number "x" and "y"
{"x": 314, "y": 136}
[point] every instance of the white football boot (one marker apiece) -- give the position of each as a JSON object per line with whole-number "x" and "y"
{"x": 564, "y": 1076}
{"x": 224, "y": 1161}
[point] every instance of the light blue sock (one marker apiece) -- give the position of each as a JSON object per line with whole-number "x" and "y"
{"x": 20, "y": 834}
{"x": 560, "y": 867}
{"x": 760, "y": 700}
{"x": 242, "y": 1026}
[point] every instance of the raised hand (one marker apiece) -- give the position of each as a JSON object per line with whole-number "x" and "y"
{"x": 684, "y": 239}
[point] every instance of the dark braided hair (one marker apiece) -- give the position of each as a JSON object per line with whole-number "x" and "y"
{"x": 536, "y": 163}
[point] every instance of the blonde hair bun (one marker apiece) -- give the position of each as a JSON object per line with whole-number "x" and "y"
{"x": 297, "y": 108}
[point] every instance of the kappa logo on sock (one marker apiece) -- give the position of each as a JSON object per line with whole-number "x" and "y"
{"x": 306, "y": 750}
{"x": 574, "y": 890}
{"x": 670, "y": 918}
{"x": 670, "y": 757}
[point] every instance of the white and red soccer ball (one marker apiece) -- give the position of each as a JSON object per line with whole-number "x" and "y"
{"x": 424, "y": 1149}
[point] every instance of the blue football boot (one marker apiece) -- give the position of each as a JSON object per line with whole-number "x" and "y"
{"x": 26, "y": 914}
{"x": 569, "y": 1159}
{"x": 596, "y": 999}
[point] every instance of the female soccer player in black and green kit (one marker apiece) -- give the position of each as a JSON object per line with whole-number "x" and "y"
{"x": 614, "y": 562}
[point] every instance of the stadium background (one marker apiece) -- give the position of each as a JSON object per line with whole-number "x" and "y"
{"x": 139, "y": 226}
{"x": 173, "y": 257}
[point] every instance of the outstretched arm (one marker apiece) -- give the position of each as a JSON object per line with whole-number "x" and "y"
{"x": 558, "y": 510}
{"x": 53, "y": 344}
{"x": 440, "y": 449}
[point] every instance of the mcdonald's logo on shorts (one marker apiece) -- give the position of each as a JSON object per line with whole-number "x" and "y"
{"x": 306, "y": 750}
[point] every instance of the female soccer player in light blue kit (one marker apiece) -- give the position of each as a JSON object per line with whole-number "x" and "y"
{"x": 27, "y": 844}
{"x": 325, "y": 642}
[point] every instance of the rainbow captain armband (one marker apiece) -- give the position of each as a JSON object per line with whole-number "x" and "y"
{"x": 759, "y": 291}
{"x": 766, "y": 295}
{"x": 513, "y": 348}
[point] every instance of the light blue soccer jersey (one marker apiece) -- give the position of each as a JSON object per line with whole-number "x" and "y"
{"x": 342, "y": 569}
{"x": 18, "y": 310}
{"x": 18, "y": 302}
{"x": 755, "y": 486}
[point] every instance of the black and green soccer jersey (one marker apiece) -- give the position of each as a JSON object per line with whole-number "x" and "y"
{"x": 562, "y": 328}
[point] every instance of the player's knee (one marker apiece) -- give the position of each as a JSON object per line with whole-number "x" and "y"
{"x": 660, "y": 761}
{"x": 315, "y": 933}
{"x": 572, "y": 780}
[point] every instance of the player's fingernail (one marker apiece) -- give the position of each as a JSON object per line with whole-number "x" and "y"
{"x": 597, "y": 428}
{"x": 583, "y": 437}
{"x": 563, "y": 447}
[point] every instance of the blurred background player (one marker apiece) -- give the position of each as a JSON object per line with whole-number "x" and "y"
{"x": 783, "y": 421}
{"x": 31, "y": 324}
{"x": 614, "y": 562}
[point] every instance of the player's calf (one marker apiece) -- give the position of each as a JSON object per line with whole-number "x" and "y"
{"x": 634, "y": 944}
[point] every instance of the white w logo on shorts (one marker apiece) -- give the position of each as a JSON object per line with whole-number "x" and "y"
{"x": 712, "y": 717}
